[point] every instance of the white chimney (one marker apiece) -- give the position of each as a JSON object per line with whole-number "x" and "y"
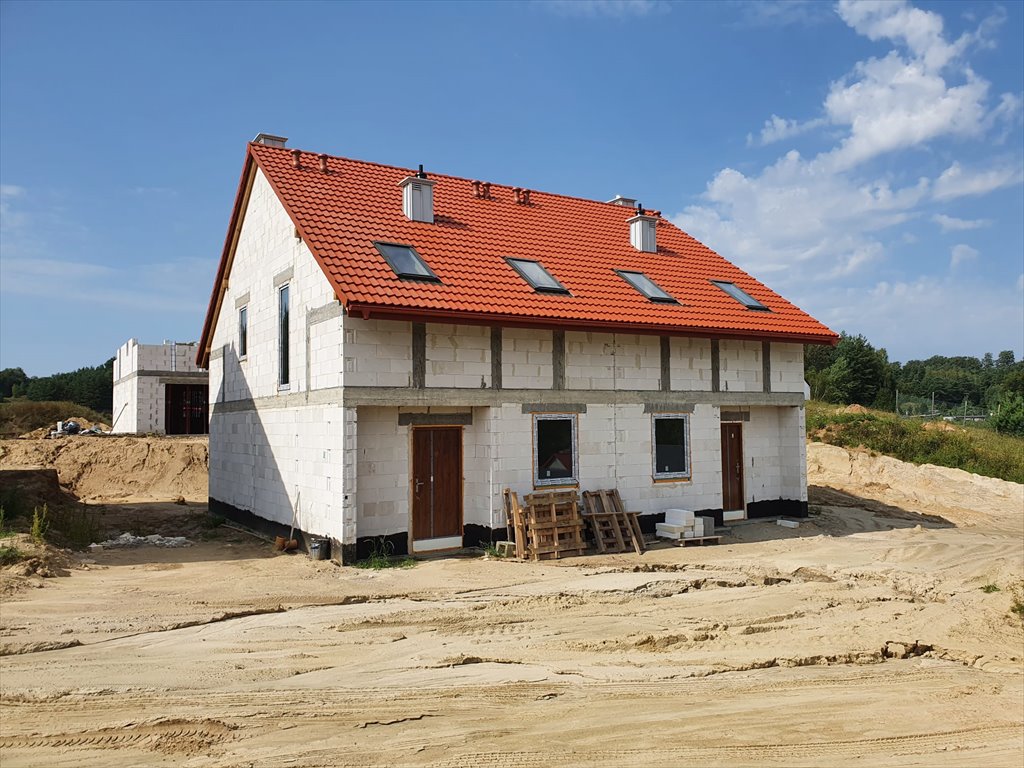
{"x": 418, "y": 197}
{"x": 270, "y": 140}
{"x": 625, "y": 202}
{"x": 643, "y": 231}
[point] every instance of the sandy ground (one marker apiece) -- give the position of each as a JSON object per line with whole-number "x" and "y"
{"x": 861, "y": 638}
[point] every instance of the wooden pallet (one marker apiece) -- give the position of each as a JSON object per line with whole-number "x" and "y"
{"x": 614, "y": 529}
{"x": 695, "y": 542}
{"x": 554, "y": 525}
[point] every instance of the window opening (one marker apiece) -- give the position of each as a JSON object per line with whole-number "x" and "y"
{"x": 670, "y": 439}
{"x": 243, "y": 332}
{"x": 282, "y": 336}
{"x": 554, "y": 449}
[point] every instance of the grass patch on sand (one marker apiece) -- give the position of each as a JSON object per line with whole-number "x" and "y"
{"x": 382, "y": 556}
{"x": 973, "y": 449}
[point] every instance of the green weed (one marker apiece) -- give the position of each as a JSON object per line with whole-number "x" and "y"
{"x": 40, "y": 524}
{"x": 988, "y": 589}
{"x": 10, "y": 556}
{"x": 382, "y": 556}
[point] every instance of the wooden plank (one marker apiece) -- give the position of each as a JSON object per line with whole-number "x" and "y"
{"x": 698, "y": 541}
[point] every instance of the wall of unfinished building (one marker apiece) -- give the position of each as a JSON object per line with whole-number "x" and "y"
{"x": 141, "y": 373}
{"x": 330, "y": 451}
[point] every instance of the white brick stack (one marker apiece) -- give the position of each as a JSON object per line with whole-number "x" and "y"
{"x": 683, "y": 524}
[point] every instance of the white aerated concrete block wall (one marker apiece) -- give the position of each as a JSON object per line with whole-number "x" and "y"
{"x": 267, "y": 461}
{"x": 267, "y": 248}
{"x": 526, "y": 359}
{"x": 326, "y": 343}
{"x": 637, "y": 362}
{"x": 793, "y": 453}
{"x": 378, "y": 353}
{"x": 139, "y": 402}
{"x": 787, "y": 367}
{"x": 458, "y": 356}
{"x": 384, "y": 458}
{"x": 740, "y": 366}
{"x": 690, "y": 365}
{"x": 761, "y": 458}
{"x": 589, "y": 360}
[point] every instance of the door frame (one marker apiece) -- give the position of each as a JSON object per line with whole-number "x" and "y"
{"x": 444, "y": 544}
{"x": 742, "y": 476}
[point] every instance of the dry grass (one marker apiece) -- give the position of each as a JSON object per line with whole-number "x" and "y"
{"x": 20, "y": 416}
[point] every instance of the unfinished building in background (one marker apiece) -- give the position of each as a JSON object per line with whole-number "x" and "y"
{"x": 158, "y": 389}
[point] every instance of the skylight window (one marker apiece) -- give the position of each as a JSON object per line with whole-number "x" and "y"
{"x": 406, "y": 263}
{"x": 646, "y": 286}
{"x": 539, "y": 278}
{"x": 741, "y": 296}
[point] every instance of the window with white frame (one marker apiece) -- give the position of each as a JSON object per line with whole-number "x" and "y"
{"x": 670, "y": 442}
{"x": 283, "y": 356}
{"x": 243, "y": 332}
{"x": 555, "y": 455}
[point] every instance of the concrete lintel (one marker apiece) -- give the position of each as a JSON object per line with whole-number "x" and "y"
{"x": 170, "y": 377}
{"x": 554, "y": 408}
{"x": 326, "y": 312}
{"x": 435, "y": 419}
{"x": 283, "y": 277}
{"x": 735, "y": 416}
{"x": 668, "y": 407}
{"x": 242, "y": 300}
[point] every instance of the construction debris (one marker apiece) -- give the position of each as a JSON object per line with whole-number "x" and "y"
{"x": 128, "y": 541}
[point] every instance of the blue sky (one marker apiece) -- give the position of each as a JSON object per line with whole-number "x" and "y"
{"x": 863, "y": 159}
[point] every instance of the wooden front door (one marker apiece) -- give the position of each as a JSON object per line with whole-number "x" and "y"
{"x": 437, "y": 484}
{"x": 732, "y": 467}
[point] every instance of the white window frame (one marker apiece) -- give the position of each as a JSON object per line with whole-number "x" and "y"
{"x": 284, "y": 349}
{"x": 243, "y": 332}
{"x": 539, "y": 482}
{"x": 687, "y": 472}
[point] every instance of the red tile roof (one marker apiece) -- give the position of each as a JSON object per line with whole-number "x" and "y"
{"x": 581, "y": 242}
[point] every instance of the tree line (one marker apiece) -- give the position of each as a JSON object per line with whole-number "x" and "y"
{"x": 854, "y": 371}
{"x": 89, "y": 386}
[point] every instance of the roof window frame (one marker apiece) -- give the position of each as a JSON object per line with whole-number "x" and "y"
{"x": 741, "y": 296}
{"x": 560, "y": 290}
{"x": 429, "y": 277}
{"x": 664, "y": 298}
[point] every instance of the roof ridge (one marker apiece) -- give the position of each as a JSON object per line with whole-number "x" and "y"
{"x": 433, "y": 174}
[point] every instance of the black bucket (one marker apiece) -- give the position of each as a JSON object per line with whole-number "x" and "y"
{"x": 319, "y": 549}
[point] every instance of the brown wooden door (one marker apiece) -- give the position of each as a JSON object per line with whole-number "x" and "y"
{"x": 436, "y": 482}
{"x": 732, "y": 467}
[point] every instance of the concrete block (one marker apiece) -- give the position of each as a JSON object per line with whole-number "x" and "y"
{"x": 679, "y": 517}
{"x": 788, "y": 523}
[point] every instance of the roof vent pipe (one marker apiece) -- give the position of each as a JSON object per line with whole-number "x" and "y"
{"x": 296, "y": 158}
{"x": 418, "y": 197}
{"x": 643, "y": 231}
{"x": 323, "y": 163}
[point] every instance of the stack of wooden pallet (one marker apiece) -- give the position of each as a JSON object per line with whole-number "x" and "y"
{"x": 548, "y": 526}
{"x": 614, "y": 529}
{"x": 554, "y": 525}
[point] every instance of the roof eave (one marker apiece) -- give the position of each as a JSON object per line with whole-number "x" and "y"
{"x": 431, "y": 315}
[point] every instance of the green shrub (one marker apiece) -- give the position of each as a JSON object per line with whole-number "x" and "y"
{"x": 10, "y": 556}
{"x": 382, "y": 556}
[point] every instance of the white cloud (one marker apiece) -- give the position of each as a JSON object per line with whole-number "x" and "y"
{"x": 956, "y": 182}
{"x": 11, "y": 190}
{"x": 778, "y": 129}
{"x": 953, "y": 224}
{"x": 616, "y": 9}
{"x": 784, "y": 13}
{"x": 896, "y": 20}
{"x": 922, "y": 310}
{"x": 961, "y": 253}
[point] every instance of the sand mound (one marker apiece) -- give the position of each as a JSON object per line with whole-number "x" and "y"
{"x": 961, "y": 497}
{"x": 854, "y": 409}
{"x": 118, "y": 468}
{"x": 940, "y": 426}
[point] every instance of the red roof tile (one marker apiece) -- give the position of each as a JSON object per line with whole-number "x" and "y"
{"x": 581, "y": 242}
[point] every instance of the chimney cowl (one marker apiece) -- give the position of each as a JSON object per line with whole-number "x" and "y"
{"x": 625, "y": 202}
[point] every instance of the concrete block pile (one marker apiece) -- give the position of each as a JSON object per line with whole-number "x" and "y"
{"x": 684, "y": 524}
